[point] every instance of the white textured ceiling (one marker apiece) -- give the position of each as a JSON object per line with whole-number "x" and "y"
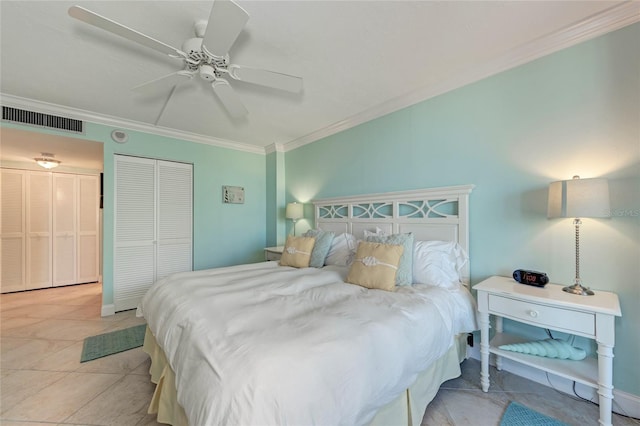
{"x": 356, "y": 58}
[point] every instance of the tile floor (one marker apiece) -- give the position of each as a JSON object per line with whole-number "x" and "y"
{"x": 42, "y": 380}
{"x": 461, "y": 401}
{"x": 43, "y": 383}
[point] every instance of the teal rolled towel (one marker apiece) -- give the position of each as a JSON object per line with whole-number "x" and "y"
{"x": 550, "y": 348}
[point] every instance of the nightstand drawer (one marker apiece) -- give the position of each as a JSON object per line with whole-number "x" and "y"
{"x": 273, "y": 253}
{"x": 546, "y": 316}
{"x": 269, "y": 255}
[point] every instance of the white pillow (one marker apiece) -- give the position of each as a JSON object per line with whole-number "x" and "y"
{"x": 377, "y": 233}
{"x": 342, "y": 251}
{"x": 438, "y": 263}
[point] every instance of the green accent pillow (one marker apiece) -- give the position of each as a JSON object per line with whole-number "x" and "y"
{"x": 404, "y": 276}
{"x": 321, "y": 248}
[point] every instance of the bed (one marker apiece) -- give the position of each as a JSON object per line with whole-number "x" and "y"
{"x": 265, "y": 344}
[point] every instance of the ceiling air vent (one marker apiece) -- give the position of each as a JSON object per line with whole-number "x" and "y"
{"x": 43, "y": 120}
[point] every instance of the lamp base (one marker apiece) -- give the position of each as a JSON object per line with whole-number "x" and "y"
{"x": 579, "y": 290}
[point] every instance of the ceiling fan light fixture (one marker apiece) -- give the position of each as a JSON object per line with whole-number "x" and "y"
{"x": 47, "y": 161}
{"x": 207, "y": 72}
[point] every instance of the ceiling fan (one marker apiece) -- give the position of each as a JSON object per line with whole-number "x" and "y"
{"x": 205, "y": 55}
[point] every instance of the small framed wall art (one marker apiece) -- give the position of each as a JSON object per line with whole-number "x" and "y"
{"x": 233, "y": 194}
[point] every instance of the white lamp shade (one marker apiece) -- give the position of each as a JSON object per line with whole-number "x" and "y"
{"x": 579, "y": 198}
{"x": 294, "y": 211}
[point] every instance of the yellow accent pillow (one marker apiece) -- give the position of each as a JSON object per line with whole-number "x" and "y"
{"x": 375, "y": 266}
{"x": 297, "y": 252}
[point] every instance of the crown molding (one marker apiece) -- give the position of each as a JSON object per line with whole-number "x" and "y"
{"x": 274, "y": 147}
{"x": 597, "y": 25}
{"x": 413, "y": 194}
{"x": 119, "y": 123}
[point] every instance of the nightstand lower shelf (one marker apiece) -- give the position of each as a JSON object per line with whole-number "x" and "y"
{"x": 584, "y": 371}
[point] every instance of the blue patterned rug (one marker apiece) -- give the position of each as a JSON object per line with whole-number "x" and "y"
{"x": 112, "y": 343}
{"x": 519, "y": 415}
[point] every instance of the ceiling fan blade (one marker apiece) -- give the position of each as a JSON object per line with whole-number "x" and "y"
{"x": 113, "y": 27}
{"x": 226, "y": 21}
{"x": 262, "y": 77}
{"x": 164, "y": 82}
{"x": 229, "y": 98}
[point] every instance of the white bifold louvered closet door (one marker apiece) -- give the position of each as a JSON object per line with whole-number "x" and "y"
{"x": 88, "y": 229}
{"x": 75, "y": 229}
{"x": 153, "y": 225}
{"x": 12, "y": 230}
{"x": 64, "y": 225}
{"x": 39, "y": 255}
{"x": 49, "y": 229}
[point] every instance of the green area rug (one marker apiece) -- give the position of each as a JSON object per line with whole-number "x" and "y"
{"x": 111, "y": 343}
{"x": 519, "y": 415}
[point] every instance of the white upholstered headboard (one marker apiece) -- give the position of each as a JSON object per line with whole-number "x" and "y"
{"x": 430, "y": 214}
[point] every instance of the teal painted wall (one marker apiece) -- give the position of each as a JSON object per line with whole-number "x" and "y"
{"x": 573, "y": 112}
{"x": 275, "y": 198}
{"x": 223, "y": 234}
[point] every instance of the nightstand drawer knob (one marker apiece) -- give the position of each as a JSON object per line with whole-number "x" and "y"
{"x": 533, "y": 314}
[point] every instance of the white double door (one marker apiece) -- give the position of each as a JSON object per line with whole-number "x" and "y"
{"x": 153, "y": 225}
{"x": 49, "y": 229}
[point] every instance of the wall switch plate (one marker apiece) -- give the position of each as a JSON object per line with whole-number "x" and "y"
{"x": 233, "y": 194}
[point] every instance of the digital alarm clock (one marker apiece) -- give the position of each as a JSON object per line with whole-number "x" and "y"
{"x": 535, "y": 278}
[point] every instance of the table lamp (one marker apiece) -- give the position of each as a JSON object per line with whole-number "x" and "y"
{"x": 578, "y": 198}
{"x": 294, "y": 212}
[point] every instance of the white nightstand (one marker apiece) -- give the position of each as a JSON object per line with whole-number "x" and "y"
{"x": 552, "y": 308}
{"x": 273, "y": 253}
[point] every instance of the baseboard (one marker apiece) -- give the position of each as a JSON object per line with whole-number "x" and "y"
{"x": 108, "y": 310}
{"x": 623, "y": 403}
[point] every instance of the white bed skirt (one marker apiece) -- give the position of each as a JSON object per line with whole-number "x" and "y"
{"x": 407, "y": 410}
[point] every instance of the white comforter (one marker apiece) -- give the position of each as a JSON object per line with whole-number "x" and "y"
{"x": 261, "y": 344}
